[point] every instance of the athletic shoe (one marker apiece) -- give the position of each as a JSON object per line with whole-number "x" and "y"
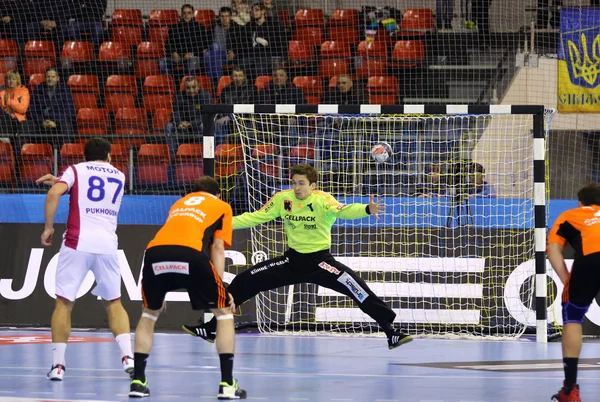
{"x": 57, "y": 373}
{"x": 396, "y": 339}
{"x": 567, "y": 394}
{"x": 139, "y": 389}
{"x": 227, "y": 391}
{"x": 201, "y": 332}
{"x": 127, "y": 362}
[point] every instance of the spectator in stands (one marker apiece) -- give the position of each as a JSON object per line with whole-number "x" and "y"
{"x": 269, "y": 45}
{"x": 86, "y": 16}
{"x": 13, "y": 19}
{"x": 281, "y": 91}
{"x": 227, "y": 36}
{"x": 240, "y": 91}
{"x": 240, "y": 11}
{"x": 444, "y": 14}
{"x": 48, "y": 20}
{"x": 51, "y": 111}
{"x": 14, "y": 101}
{"x": 187, "y": 115}
{"x": 271, "y": 10}
{"x": 185, "y": 45}
{"x": 346, "y": 93}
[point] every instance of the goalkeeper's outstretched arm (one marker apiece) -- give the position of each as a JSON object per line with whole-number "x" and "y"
{"x": 358, "y": 211}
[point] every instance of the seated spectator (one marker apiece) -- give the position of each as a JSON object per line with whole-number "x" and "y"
{"x": 482, "y": 187}
{"x": 14, "y": 101}
{"x": 86, "y": 16}
{"x": 48, "y": 20}
{"x": 240, "y": 11}
{"x": 271, "y": 10}
{"x": 187, "y": 115}
{"x": 240, "y": 91}
{"x": 281, "y": 91}
{"x": 228, "y": 36}
{"x": 185, "y": 45}
{"x": 13, "y": 20}
{"x": 51, "y": 112}
{"x": 346, "y": 93}
{"x": 269, "y": 44}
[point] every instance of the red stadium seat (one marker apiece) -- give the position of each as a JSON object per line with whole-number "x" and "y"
{"x": 160, "y": 119}
{"x": 35, "y": 80}
{"x": 408, "y": 53}
{"x": 70, "y": 154}
{"x": 383, "y": 90}
{"x": 158, "y": 34}
{"x": 132, "y": 123}
{"x": 9, "y": 52}
{"x": 284, "y": 16}
{"x": 85, "y": 90}
{"x": 77, "y": 52}
{"x": 418, "y": 19}
{"x": 36, "y": 161}
{"x": 148, "y": 54}
{"x": 188, "y": 163}
{"x": 127, "y": 17}
{"x": 159, "y": 92}
{"x": 2, "y": 76}
{"x": 119, "y": 156}
{"x": 335, "y": 59}
{"x": 312, "y": 36}
{"x": 300, "y": 54}
{"x": 229, "y": 159}
{"x": 120, "y": 92}
{"x": 314, "y": 17}
{"x": 303, "y": 152}
{"x": 262, "y": 81}
{"x": 114, "y": 51}
{"x": 348, "y": 35}
{"x": 372, "y": 59}
{"x": 38, "y": 56}
{"x": 334, "y": 49}
{"x": 153, "y": 164}
{"x": 163, "y": 18}
{"x": 312, "y": 88}
{"x": 129, "y": 36}
{"x": 205, "y": 17}
{"x": 224, "y": 81}
{"x": 330, "y": 67}
{"x": 92, "y": 122}
{"x": 204, "y": 82}
{"x": 344, "y": 18}
{"x": 7, "y": 163}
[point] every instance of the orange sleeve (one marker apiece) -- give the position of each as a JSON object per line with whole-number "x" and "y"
{"x": 226, "y": 231}
{"x": 553, "y": 236}
{"x": 20, "y": 103}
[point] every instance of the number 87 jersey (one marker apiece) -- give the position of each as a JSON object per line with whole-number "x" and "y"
{"x": 96, "y": 190}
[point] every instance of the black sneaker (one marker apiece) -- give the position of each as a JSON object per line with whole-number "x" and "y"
{"x": 139, "y": 389}
{"x": 396, "y": 339}
{"x": 227, "y": 391}
{"x": 201, "y": 332}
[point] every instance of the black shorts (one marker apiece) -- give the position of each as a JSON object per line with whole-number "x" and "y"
{"x": 169, "y": 268}
{"x": 584, "y": 282}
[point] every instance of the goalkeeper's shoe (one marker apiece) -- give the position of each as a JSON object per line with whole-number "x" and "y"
{"x": 200, "y": 331}
{"x": 396, "y": 339}
{"x": 227, "y": 391}
{"x": 56, "y": 373}
{"x": 127, "y": 362}
{"x": 139, "y": 389}
{"x": 567, "y": 394}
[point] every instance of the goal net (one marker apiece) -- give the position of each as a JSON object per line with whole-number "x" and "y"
{"x": 453, "y": 253}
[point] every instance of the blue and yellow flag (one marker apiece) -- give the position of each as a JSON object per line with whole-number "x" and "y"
{"x": 579, "y": 61}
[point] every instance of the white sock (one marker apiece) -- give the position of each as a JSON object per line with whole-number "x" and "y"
{"x": 58, "y": 353}
{"x": 124, "y": 342}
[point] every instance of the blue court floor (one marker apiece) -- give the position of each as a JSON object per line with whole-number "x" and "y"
{"x": 315, "y": 369}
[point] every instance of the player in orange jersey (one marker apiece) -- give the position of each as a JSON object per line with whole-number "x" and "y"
{"x": 579, "y": 227}
{"x": 188, "y": 252}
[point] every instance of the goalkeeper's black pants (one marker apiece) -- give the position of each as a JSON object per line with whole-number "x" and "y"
{"x": 319, "y": 268}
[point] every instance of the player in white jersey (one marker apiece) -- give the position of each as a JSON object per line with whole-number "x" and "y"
{"x": 90, "y": 243}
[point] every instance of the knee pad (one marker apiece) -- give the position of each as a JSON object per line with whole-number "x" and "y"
{"x": 573, "y": 314}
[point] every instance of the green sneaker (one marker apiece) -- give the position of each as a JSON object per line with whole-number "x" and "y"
{"x": 227, "y": 391}
{"x": 139, "y": 389}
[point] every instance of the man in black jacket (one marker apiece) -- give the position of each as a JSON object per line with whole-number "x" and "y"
{"x": 187, "y": 115}
{"x": 186, "y": 44}
{"x": 346, "y": 93}
{"x": 269, "y": 45}
{"x": 13, "y": 19}
{"x": 280, "y": 91}
{"x": 227, "y": 38}
{"x": 86, "y": 16}
{"x": 51, "y": 112}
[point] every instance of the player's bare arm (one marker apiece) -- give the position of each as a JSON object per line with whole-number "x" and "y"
{"x": 555, "y": 256}
{"x": 375, "y": 208}
{"x": 50, "y": 208}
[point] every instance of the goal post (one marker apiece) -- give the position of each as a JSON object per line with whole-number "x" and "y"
{"x": 461, "y": 247}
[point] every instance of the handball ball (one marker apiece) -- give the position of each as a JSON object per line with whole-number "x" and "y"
{"x": 381, "y": 152}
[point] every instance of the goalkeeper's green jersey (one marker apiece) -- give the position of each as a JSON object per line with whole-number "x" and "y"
{"x": 307, "y": 223}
